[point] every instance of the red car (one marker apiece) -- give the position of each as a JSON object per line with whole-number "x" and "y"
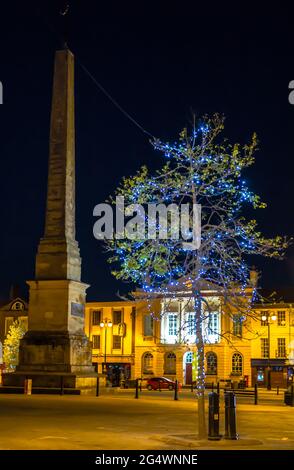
{"x": 161, "y": 383}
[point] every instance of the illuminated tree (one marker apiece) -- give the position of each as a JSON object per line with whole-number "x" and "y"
{"x": 200, "y": 168}
{"x": 11, "y": 345}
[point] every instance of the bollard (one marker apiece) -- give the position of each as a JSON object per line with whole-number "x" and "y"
{"x": 97, "y": 387}
{"x": 28, "y": 386}
{"x": 217, "y": 388}
{"x": 176, "y": 390}
{"x": 137, "y": 389}
{"x": 255, "y": 395}
{"x": 61, "y": 385}
{"x": 230, "y": 416}
{"x": 213, "y": 417}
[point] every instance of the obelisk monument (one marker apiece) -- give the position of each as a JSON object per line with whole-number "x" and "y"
{"x": 55, "y": 345}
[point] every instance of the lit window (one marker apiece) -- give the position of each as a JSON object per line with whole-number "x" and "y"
{"x": 237, "y": 364}
{"x": 281, "y": 347}
{"x": 147, "y": 363}
{"x": 191, "y": 326}
{"x": 96, "y": 317}
{"x": 211, "y": 328}
{"x": 211, "y": 363}
{"x": 17, "y": 306}
{"x": 237, "y": 325}
{"x": 264, "y": 348}
{"x": 172, "y": 324}
{"x": 281, "y": 318}
{"x": 117, "y": 316}
{"x": 116, "y": 344}
{"x": 96, "y": 341}
{"x": 170, "y": 363}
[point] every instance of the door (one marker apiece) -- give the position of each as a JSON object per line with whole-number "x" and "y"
{"x": 188, "y": 373}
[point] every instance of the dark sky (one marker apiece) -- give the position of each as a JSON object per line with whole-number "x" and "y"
{"x": 159, "y": 62}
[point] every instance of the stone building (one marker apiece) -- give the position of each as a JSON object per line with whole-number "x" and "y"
{"x": 136, "y": 344}
{"x": 15, "y": 309}
{"x": 131, "y": 343}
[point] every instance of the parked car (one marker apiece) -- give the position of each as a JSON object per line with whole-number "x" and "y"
{"x": 161, "y": 383}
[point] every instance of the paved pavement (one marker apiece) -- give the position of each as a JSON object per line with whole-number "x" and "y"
{"x": 116, "y": 420}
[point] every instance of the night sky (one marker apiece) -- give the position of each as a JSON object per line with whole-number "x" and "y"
{"x": 160, "y": 62}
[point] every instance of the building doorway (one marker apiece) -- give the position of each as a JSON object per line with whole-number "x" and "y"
{"x": 117, "y": 372}
{"x": 189, "y": 367}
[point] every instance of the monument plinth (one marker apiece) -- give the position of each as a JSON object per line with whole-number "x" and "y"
{"x": 55, "y": 345}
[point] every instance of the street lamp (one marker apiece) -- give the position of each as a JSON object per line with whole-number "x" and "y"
{"x": 105, "y": 324}
{"x": 266, "y": 318}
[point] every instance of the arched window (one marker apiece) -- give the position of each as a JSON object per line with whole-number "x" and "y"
{"x": 189, "y": 358}
{"x": 237, "y": 364}
{"x": 147, "y": 363}
{"x": 211, "y": 363}
{"x": 170, "y": 363}
{"x": 17, "y": 306}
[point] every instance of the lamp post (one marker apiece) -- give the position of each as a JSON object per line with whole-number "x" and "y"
{"x": 105, "y": 324}
{"x": 266, "y": 318}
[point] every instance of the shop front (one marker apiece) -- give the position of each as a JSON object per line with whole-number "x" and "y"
{"x": 271, "y": 373}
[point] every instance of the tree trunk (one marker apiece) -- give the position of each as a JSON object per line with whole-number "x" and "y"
{"x": 200, "y": 382}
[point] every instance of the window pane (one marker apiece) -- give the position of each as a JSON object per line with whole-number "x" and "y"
{"x": 116, "y": 342}
{"x": 281, "y": 347}
{"x": 147, "y": 363}
{"x": 117, "y": 317}
{"x": 148, "y": 325}
{"x": 96, "y": 341}
{"x": 173, "y": 325}
{"x": 237, "y": 364}
{"x": 264, "y": 348}
{"x": 170, "y": 363}
{"x": 237, "y": 325}
{"x": 211, "y": 361}
{"x": 281, "y": 318}
{"x": 96, "y": 317}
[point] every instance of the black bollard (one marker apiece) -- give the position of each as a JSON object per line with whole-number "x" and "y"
{"x": 230, "y": 416}
{"x": 137, "y": 389}
{"x": 97, "y": 387}
{"x": 176, "y": 391}
{"x": 255, "y": 394}
{"x": 217, "y": 388}
{"x": 213, "y": 417}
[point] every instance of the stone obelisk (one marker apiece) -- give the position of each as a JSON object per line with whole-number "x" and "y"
{"x": 55, "y": 345}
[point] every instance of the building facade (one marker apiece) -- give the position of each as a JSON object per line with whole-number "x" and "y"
{"x": 272, "y": 351}
{"x": 129, "y": 342}
{"x": 14, "y": 310}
